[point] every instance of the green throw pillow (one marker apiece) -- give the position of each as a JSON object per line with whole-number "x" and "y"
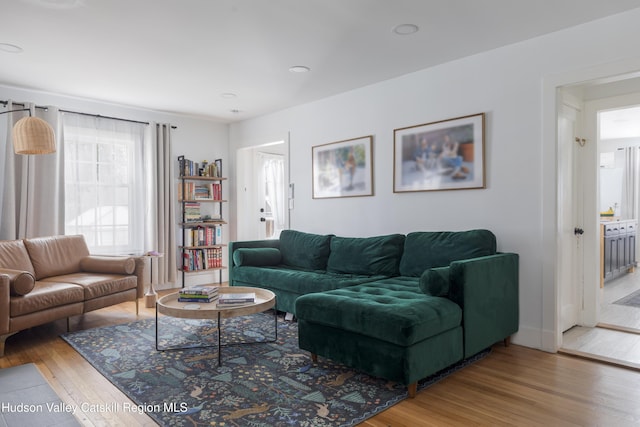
{"x": 435, "y": 282}
{"x": 257, "y": 257}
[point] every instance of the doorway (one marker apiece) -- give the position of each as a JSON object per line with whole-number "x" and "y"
{"x": 262, "y": 184}
{"x": 607, "y": 330}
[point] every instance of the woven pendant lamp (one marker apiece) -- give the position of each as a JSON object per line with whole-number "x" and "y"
{"x": 32, "y": 135}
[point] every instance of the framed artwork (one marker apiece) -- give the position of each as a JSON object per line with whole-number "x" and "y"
{"x": 343, "y": 168}
{"x": 443, "y": 155}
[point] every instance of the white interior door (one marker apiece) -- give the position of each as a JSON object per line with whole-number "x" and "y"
{"x": 570, "y": 251}
{"x": 271, "y": 194}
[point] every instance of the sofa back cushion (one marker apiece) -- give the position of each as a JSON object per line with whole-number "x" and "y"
{"x": 379, "y": 255}
{"x": 428, "y": 249}
{"x": 304, "y": 250}
{"x": 57, "y": 255}
{"x": 14, "y": 255}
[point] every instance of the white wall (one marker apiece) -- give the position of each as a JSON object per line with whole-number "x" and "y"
{"x": 510, "y": 85}
{"x": 198, "y": 139}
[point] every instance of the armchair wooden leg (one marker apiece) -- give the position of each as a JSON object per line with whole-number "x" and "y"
{"x": 137, "y": 312}
{"x": 68, "y": 324}
{"x": 314, "y": 358}
{"x": 507, "y": 341}
{"x": 412, "y": 389}
{"x": 3, "y": 339}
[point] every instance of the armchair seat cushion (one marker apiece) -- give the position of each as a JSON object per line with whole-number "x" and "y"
{"x": 392, "y": 310}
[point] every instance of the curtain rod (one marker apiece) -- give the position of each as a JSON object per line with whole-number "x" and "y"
{"x": 84, "y": 114}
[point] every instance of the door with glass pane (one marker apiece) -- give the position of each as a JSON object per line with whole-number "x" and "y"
{"x": 271, "y": 195}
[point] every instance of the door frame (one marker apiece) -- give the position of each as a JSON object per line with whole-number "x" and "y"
{"x": 247, "y": 221}
{"x": 550, "y": 337}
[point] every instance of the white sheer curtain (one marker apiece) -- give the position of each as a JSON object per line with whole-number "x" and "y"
{"x": 161, "y": 201}
{"x": 631, "y": 184}
{"x": 105, "y": 182}
{"x": 273, "y": 167}
{"x": 32, "y": 190}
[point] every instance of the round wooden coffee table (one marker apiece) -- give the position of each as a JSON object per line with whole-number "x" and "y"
{"x": 170, "y": 306}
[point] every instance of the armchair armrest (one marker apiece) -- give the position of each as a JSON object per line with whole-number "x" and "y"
{"x": 486, "y": 288}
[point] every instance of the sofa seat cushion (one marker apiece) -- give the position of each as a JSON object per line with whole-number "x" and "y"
{"x": 296, "y": 281}
{"x": 97, "y": 285}
{"x": 45, "y": 296}
{"x": 379, "y": 255}
{"x": 394, "y": 310}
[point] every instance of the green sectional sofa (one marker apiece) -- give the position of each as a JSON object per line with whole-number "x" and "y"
{"x": 400, "y": 307}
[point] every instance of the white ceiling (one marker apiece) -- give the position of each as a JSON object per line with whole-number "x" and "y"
{"x": 180, "y": 56}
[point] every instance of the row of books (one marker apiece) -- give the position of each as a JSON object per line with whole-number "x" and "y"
{"x": 198, "y": 293}
{"x": 203, "y": 236}
{"x": 201, "y": 259}
{"x": 196, "y": 191}
{"x": 191, "y": 168}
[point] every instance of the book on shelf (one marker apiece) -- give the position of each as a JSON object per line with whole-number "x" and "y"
{"x": 237, "y": 298}
{"x": 201, "y": 259}
{"x": 192, "y": 191}
{"x": 203, "y": 236}
{"x": 190, "y": 168}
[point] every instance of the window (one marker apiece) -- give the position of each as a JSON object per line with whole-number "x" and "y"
{"x": 104, "y": 184}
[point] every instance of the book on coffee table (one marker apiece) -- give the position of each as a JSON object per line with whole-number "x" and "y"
{"x": 228, "y": 299}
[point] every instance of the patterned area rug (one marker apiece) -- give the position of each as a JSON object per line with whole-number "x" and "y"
{"x": 259, "y": 385}
{"x": 633, "y": 299}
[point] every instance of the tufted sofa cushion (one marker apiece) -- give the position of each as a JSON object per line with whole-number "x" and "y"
{"x": 393, "y": 310}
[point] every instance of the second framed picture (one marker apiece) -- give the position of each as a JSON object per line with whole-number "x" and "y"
{"x": 343, "y": 168}
{"x": 444, "y": 155}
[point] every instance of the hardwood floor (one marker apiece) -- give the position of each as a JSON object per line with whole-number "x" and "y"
{"x": 512, "y": 386}
{"x": 616, "y": 339}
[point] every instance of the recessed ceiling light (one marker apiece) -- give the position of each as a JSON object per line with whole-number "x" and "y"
{"x": 10, "y": 48}
{"x": 236, "y": 111}
{"x": 405, "y": 29}
{"x": 299, "y": 69}
{"x": 228, "y": 95}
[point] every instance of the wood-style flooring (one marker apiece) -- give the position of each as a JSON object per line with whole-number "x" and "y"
{"x": 616, "y": 339}
{"x": 512, "y": 386}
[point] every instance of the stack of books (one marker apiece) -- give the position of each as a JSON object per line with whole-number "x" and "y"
{"x": 198, "y": 293}
{"x": 234, "y": 300}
